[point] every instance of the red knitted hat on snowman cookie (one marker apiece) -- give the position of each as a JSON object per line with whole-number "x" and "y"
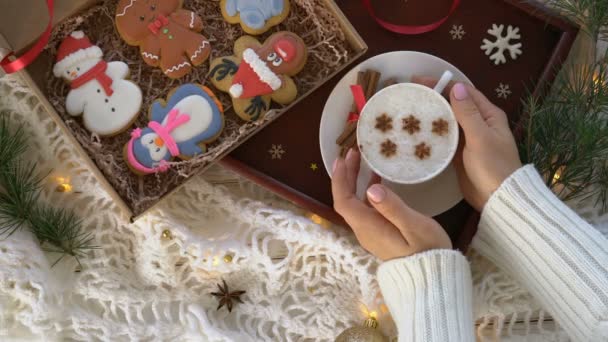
{"x": 75, "y": 48}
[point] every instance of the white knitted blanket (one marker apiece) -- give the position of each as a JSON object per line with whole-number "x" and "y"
{"x": 303, "y": 281}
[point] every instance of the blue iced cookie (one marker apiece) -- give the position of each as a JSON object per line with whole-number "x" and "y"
{"x": 255, "y": 16}
{"x": 180, "y": 127}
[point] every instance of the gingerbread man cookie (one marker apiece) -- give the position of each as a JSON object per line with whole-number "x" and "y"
{"x": 258, "y": 73}
{"x": 108, "y": 103}
{"x": 166, "y": 34}
{"x": 255, "y": 16}
{"x": 180, "y": 127}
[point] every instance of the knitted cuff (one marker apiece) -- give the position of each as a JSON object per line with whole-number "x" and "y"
{"x": 556, "y": 255}
{"x": 429, "y": 296}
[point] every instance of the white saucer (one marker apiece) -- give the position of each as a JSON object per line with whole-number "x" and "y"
{"x": 432, "y": 197}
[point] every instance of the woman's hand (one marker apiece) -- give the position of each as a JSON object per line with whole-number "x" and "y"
{"x": 388, "y": 228}
{"x": 489, "y": 153}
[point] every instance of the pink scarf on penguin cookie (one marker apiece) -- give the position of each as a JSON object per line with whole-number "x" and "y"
{"x": 174, "y": 120}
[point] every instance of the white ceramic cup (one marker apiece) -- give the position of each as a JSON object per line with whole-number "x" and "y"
{"x": 419, "y": 171}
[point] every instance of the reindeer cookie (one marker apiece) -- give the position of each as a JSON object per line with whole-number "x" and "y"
{"x": 166, "y": 34}
{"x": 260, "y": 73}
{"x": 179, "y": 128}
{"x": 255, "y": 16}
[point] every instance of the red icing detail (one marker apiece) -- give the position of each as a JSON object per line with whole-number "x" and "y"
{"x": 158, "y": 23}
{"x": 286, "y": 49}
{"x": 250, "y": 81}
{"x": 97, "y": 72}
{"x": 70, "y": 45}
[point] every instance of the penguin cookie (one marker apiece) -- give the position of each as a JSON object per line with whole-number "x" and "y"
{"x": 99, "y": 92}
{"x": 179, "y": 128}
{"x": 260, "y": 73}
{"x": 255, "y": 16}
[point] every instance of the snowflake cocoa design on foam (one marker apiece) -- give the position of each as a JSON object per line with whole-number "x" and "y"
{"x": 276, "y": 151}
{"x": 388, "y": 148}
{"x": 503, "y": 91}
{"x": 502, "y": 43}
{"x": 384, "y": 123}
{"x": 411, "y": 124}
{"x": 457, "y": 32}
{"x": 440, "y": 127}
{"x": 422, "y": 151}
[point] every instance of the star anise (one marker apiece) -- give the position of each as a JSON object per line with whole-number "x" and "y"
{"x": 388, "y": 148}
{"x": 411, "y": 124}
{"x": 440, "y": 127}
{"x": 384, "y": 123}
{"x": 423, "y": 151}
{"x": 226, "y": 297}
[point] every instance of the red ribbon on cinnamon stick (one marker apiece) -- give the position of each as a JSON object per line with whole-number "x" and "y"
{"x": 13, "y": 66}
{"x": 409, "y": 29}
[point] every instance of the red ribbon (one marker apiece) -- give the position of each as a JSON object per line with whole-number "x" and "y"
{"x": 352, "y": 117}
{"x": 97, "y": 72}
{"x": 408, "y": 29}
{"x": 160, "y": 22}
{"x": 28, "y": 57}
{"x": 358, "y": 96}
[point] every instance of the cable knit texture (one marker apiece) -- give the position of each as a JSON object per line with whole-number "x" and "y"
{"x": 551, "y": 251}
{"x": 429, "y": 296}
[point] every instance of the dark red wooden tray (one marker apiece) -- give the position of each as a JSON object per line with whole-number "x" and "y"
{"x": 546, "y": 40}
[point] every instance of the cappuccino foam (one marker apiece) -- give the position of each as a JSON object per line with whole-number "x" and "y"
{"x": 399, "y": 102}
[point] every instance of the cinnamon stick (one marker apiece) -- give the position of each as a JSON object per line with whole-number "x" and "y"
{"x": 372, "y": 85}
{"x": 389, "y": 82}
{"x": 362, "y": 79}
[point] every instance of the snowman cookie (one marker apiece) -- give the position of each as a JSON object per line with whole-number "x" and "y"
{"x": 180, "y": 127}
{"x": 255, "y": 16}
{"x": 260, "y": 73}
{"x": 108, "y": 103}
{"x": 167, "y": 35}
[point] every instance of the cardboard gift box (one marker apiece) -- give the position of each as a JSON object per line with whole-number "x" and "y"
{"x": 319, "y": 22}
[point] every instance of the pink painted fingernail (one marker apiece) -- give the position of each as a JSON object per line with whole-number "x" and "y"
{"x": 460, "y": 92}
{"x": 333, "y": 168}
{"x": 376, "y": 193}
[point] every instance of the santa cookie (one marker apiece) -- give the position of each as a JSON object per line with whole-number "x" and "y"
{"x": 180, "y": 127}
{"x": 255, "y": 16}
{"x": 166, "y": 34}
{"x": 259, "y": 73}
{"x": 108, "y": 103}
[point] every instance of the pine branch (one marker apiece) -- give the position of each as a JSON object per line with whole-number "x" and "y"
{"x": 567, "y": 133}
{"x": 590, "y": 15}
{"x": 58, "y": 230}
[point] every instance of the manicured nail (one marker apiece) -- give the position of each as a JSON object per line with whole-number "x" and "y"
{"x": 376, "y": 193}
{"x": 333, "y": 168}
{"x": 460, "y": 92}
{"x": 349, "y": 154}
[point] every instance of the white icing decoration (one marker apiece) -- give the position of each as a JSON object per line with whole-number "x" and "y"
{"x": 199, "y": 50}
{"x": 502, "y": 43}
{"x": 261, "y": 69}
{"x": 149, "y": 55}
{"x": 96, "y": 113}
{"x": 77, "y": 34}
{"x": 201, "y": 115}
{"x": 236, "y": 90}
{"x": 149, "y": 141}
{"x": 191, "y": 19}
{"x": 76, "y": 57}
{"x": 176, "y": 67}
{"x": 254, "y": 13}
{"x": 281, "y": 52}
{"x": 124, "y": 10}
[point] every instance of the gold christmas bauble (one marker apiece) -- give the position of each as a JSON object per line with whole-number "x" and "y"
{"x": 366, "y": 333}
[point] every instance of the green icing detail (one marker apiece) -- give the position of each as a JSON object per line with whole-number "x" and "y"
{"x": 165, "y": 30}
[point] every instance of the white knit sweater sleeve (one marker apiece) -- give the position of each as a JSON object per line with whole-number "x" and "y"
{"x": 429, "y": 296}
{"x": 551, "y": 251}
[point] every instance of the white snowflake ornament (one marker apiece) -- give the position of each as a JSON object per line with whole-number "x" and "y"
{"x": 276, "y": 151}
{"x": 502, "y": 43}
{"x": 457, "y": 32}
{"x": 503, "y": 91}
